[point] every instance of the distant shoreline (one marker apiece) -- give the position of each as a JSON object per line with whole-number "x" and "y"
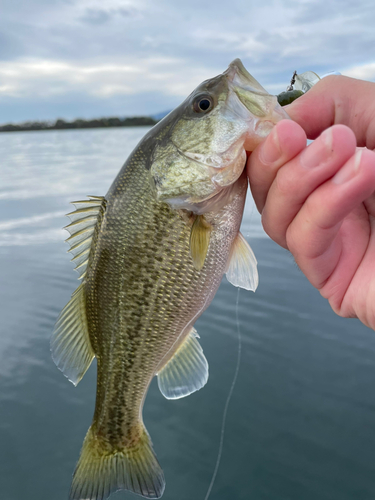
{"x": 135, "y": 121}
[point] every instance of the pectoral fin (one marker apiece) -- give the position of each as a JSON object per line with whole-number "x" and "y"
{"x": 199, "y": 241}
{"x": 70, "y": 342}
{"x": 242, "y": 265}
{"x": 186, "y": 371}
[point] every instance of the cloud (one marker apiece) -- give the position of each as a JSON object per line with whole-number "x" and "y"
{"x": 100, "y": 16}
{"x": 90, "y": 51}
{"x": 45, "y": 78}
{"x": 95, "y": 16}
{"x": 364, "y": 72}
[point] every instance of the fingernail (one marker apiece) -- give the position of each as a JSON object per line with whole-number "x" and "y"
{"x": 316, "y": 154}
{"x": 349, "y": 170}
{"x": 270, "y": 151}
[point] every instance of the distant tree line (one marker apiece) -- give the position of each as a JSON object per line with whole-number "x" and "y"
{"x": 96, "y": 123}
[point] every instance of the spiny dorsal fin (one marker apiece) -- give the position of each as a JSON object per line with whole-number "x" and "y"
{"x": 70, "y": 342}
{"x": 81, "y": 229}
{"x": 199, "y": 241}
{"x": 186, "y": 371}
{"x": 242, "y": 265}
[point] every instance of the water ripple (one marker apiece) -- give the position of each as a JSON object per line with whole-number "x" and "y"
{"x": 301, "y": 421}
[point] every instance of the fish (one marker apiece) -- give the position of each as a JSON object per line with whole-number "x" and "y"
{"x": 151, "y": 254}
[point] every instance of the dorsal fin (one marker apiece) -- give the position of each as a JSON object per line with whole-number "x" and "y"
{"x": 186, "y": 371}
{"x": 81, "y": 229}
{"x": 70, "y": 341}
{"x": 242, "y": 265}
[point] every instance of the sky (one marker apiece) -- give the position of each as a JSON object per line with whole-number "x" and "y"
{"x": 93, "y": 58}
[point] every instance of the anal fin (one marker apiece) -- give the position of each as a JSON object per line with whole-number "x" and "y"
{"x": 187, "y": 370}
{"x": 242, "y": 265}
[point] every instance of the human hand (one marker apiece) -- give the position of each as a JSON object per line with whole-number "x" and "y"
{"x": 318, "y": 201}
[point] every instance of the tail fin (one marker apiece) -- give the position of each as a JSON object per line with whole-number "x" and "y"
{"x": 99, "y": 473}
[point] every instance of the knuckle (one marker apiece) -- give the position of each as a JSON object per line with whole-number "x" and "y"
{"x": 328, "y": 82}
{"x": 274, "y": 231}
{"x": 285, "y": 182}
{"x": 293, "y": 240}
{"x": 267, "y": 226}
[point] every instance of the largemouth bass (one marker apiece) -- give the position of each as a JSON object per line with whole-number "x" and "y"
{"x": 152, "y": 253}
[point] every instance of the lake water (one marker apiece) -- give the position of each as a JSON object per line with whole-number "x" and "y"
{"x": 301, "y": 422}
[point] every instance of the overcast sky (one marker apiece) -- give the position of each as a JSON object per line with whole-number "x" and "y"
{"x": 92, "y": 58}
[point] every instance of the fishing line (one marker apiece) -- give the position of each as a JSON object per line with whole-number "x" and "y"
{"x": 228, "y": 400}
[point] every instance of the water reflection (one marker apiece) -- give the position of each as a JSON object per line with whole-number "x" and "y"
{"x": 301, "y": 424}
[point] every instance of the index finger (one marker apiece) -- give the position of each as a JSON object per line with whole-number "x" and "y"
{"x": 334, "y": 100}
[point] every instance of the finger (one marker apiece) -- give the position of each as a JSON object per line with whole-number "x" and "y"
{"x": 337, "y": 99}
{"x": 285, "y": 141}
{"x": 325, "y": 248}
{"x": 296, "y": 180}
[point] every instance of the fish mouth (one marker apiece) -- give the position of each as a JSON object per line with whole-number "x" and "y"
{"x": 250, "y": 102}
{"x": 238, "y": 76}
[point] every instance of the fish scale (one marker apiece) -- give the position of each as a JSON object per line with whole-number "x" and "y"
{"x": 165, "y": 310}
{"x": 151, "y": 255}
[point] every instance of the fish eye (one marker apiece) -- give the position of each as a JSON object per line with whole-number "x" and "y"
{"x": 203, "y": 104}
